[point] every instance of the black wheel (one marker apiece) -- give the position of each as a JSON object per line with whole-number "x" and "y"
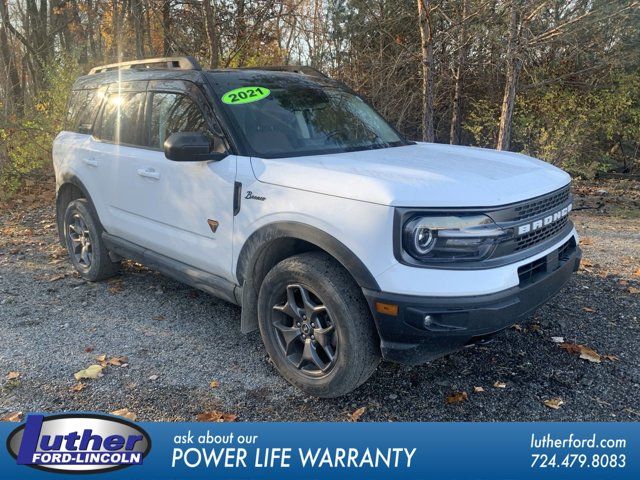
{"x": 316, "y": 325}
{"x": 83, "y": 236}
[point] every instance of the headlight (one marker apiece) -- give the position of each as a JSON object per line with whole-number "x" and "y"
{"x": 447, "y": 238}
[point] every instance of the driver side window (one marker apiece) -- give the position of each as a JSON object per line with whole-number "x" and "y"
{"x": 172, "y": 113}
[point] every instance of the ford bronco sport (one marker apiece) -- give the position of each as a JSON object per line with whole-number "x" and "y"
{"x": 282, "y": 191}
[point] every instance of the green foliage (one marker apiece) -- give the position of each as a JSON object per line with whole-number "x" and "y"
{"x": 584, "y": 131}
{"x": 482, "y": 124}
{"x": 25, "y": 141}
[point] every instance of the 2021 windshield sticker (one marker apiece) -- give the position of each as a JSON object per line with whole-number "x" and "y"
{"x": 242, "y": 95}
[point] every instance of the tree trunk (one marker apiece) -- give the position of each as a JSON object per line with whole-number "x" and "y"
{"x": 166, "y": 27}
{"x": 115, "y": 28}
{"x": 91, "y": 39}
{"x": 77, "y": 21}
{"x": 8, "y": 59}
{"x": 513, "y": 71}
{"x": 136, "y": 11}
{"x": 147, "y": 29}
{"x": 426, "y": 38}
{"x": 456, "y": 114}
{"x": 241, "y": 36}
{"x": 212, "y": 34}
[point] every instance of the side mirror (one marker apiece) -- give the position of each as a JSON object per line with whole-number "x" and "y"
{"x": 194, "y": 147}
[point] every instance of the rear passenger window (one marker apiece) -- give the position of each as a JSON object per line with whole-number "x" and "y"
{"x": 171, "y": 113}
{"x": 119, "y": 120}
{"x": 83, "y": 106}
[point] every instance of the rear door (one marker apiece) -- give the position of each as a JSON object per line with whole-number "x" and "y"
{"x": 117, "y": 137}
{"x": 183, "y": 210}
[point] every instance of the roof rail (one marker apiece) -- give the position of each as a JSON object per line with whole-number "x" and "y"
{"x": 178, "y": 63}
{"x": 312, "y": 72}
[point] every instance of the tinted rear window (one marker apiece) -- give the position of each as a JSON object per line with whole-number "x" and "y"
{"x": 119, "y": 118}
{"x": 83, "y": 106}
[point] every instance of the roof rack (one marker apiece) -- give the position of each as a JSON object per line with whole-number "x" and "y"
{"x": 312, "y": 72}
{"x": 169, "y": 63}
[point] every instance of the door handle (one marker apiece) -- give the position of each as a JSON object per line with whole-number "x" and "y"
{"x": 92, "y": 162}
{"x": 149, "y": 173}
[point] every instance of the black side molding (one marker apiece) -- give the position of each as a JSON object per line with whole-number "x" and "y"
{"x": 207, "y": 282}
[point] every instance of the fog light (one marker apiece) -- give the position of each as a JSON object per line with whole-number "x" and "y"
{"x": 428, "y": 320}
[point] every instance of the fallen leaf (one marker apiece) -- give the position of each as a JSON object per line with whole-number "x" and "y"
{"x": 571, "y": 347}
{"x": 77, "y": 387}
{"x": 500, "y": 385}
{"x": 158, "y": 317}
{"x": 94, "y": 371}
{"x": 587, "y": 309}
{"x": 118, "y": 361}
{"x": 355, "y": 416}
{"x": 56, "y": 278}
{"x": 101, "y": 358}
{"x": 88, "y": 349}
{"x": 611, "y": 358}
{"x": 557, "y": 339}
{"x": 586, "y": 263}
{"x": 153, "y": 377}
{"x": 583, "y": 351}
{"x": 216, "y": 416}
{"x": 11, "y": 417}
{"x": 478, "y": 389}
{"x": 517, "y": 327}
{"x": 554, "y": 403}
{"x": 126, "y": 413}
{"x": 115, "y": 286}
{"x": 457, "y": 397}
{"x": 586, "y": 241}
{"x": 637, "y": 273}
{"x": 634, "y": 290}
{"x": 13, "y": 375}
{"x": 214, "y": 384}
{"x": 590, "y": 355}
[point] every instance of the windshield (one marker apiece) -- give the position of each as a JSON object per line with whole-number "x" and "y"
{"x": 304, "y": 119}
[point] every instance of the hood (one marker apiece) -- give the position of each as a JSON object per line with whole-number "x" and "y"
{"x": 420, "y": 175}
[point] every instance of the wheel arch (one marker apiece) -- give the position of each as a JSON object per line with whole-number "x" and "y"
{"x": 274, "y": 242}
{"x": 69, "y": 190}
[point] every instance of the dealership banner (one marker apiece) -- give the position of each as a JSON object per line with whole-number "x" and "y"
{"x": 65, "y": 445}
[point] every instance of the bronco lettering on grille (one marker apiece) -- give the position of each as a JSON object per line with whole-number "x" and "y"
{"x": 543, "y": 222}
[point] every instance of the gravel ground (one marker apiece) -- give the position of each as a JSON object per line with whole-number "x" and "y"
{"x": 178, "y": 340}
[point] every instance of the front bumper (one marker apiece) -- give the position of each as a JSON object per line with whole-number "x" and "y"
{"x": 455, "y": 322}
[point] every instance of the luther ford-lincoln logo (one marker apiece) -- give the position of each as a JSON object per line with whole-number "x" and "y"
{"x": 80, "y": 443}
{"x": 543, "y": 222}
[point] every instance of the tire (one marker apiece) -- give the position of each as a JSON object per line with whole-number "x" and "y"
{"x": 328, "y": 345}
{"x": 83, "y": 238}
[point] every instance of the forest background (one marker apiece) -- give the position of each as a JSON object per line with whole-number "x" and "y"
{"x": 559, "y": 80}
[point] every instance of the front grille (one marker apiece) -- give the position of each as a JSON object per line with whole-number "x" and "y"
{"x": 549, "y": 202}
{"x": 531, "y": 272}
{"x": 540, "y": 235}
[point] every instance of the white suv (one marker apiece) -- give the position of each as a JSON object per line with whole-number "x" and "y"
{"x": 283, "y": 191}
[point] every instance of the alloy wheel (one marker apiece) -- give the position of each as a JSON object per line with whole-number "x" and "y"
{"x": 305, "y": 331}
{"x": 81, "y": 245}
